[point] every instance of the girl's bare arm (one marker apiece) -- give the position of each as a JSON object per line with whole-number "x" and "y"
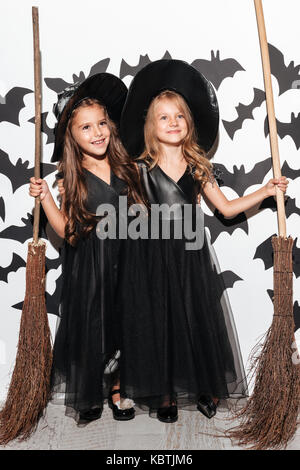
{"x": 241, "y": 204}
{"x": 55, "y": 216}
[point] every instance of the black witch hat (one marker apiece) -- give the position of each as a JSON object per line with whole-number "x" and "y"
{"x": 174, "y": 75}
{"x": 108, "y": 89}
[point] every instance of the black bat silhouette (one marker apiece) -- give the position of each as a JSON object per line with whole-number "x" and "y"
{"x": 19, "y": 173}
{"x": 290, "y": 206}
{"x": 264, "y": 251}
{"x": 244, "y": 112}
{"x": 13, "y": 103}
{"x": 17, "y": 262}
{"x": 215, "y": 70}
{"x": 52, "y": 263}
{"x": 296, "y": 259}
{"x": 126, "y": 69}
{"x": 23, "y": 233}
{"x": 229, "y": 278}
{"x": 289, "y": 172}
{"x": 2, "y": 209}
{"x": 286, "y": 75}
{"x": 296, "y": 310}
{"x": 49, "y": 131}
{"x": 218, "y": 224}
{"x": 239, "y": 180}
{"x": 287, "y": 128}
{"x": 53, "y": 301}
{"x": 58, "y": 84}
{"x": 20, "y": 234}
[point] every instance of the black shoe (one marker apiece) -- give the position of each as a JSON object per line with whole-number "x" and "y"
{"x": 207, "y": 406}
{"x": 120, "y": 415}
{"x": 89, "y": 415}
{"x": 167, "y": 414}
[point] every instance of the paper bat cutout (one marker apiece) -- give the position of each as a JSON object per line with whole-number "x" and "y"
{"x": 287, "y": 128}
{"x": 49, "y": 131}
{"x": 13, "y": 103}
{"x": 22, "y": 234}
{"x": 218, "y": 224}
{"x": 296, "y": 259}
{"x": 296, "y": 310}
{"x": 52, "y": 263}
{"x": 244, "y": 112}
{"x": 19, "y": 173}
{"x": 53, "y": 301}
{"x": 290, "y": 206}
{"x": 239, "y": 180}
{"x": 216, "y": 70}
{"x": 58, "y": 84}
{"x": 286, "y": 75}
{"x": 265, "y": 252}
{"x": 287, "y": 171}
{"x": 17, "y": 262}
{"x": 2, "y": 209}
{"x": 126, "y": 69}
{"x": 229, "y": 278}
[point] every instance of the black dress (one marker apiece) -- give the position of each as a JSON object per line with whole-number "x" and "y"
{"x": 85, "y": 342}
{"x": 178, "y": 338}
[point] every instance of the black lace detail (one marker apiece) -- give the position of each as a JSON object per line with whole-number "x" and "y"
{"x": 216, "y": 175}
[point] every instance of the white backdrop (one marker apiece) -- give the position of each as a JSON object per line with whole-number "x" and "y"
{"x": 76, "y": 35}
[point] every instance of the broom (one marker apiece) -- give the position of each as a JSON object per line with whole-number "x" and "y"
{"x": 269, "y": 419}
{"x": 29, "y": 389}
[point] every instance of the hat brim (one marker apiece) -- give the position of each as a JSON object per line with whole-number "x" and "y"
{"x": 106, "y": 88}
{"x": 178, "y": 76}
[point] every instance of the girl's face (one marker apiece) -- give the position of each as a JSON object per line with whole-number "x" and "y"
{"x": 169, "y": 121}
{"x": 90, "y": 130}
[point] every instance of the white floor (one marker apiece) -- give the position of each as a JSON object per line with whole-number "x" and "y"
{"x": 192, "y": 431}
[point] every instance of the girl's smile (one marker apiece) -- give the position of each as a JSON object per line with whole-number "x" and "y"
{"x": 91, "y": 131}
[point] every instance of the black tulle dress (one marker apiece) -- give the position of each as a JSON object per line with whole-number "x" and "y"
{"x": 178, "y": 338}
{"x": 85, "y": 343}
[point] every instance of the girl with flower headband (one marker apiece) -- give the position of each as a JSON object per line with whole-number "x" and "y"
{"x": 96, "y": 169}
{"x": 179, "y": 343}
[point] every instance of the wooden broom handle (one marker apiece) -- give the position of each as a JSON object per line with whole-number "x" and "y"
{"x": 37, "y": 100}
{"x": 271, "y": 114}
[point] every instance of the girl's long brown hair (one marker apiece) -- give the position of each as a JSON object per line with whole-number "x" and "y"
{"x": 79, "y": 220}
{"x": 192, "y": 152}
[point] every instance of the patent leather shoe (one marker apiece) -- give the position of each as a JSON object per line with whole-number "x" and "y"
{"x": 120, "y": 414}
{"x": 167, "y": 414}
{"x": 89, "y": 415}
{"x": 207, "y": 406}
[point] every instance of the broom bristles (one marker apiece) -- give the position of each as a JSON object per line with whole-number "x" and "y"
{"x": 269, "y": 419}
{"x": 29, "y": 389}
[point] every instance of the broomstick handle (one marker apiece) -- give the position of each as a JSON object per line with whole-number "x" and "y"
{"x": 37, "y": 99}
{"x": 271, "y": 114}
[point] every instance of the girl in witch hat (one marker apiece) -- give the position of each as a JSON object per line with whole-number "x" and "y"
{"x": 179, "y": 343}
{"x": 96, "y": 169}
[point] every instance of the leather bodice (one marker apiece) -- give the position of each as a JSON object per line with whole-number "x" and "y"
{"x": 162, "y": 189}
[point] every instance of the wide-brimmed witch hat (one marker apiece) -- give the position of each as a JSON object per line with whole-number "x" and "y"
{"x": 174, "y": 75}
{"x": 105, "y": 87}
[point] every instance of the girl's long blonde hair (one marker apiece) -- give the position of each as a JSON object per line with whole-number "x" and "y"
{"x": 79, "y": 220}
{"x": 195, "y": 156}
